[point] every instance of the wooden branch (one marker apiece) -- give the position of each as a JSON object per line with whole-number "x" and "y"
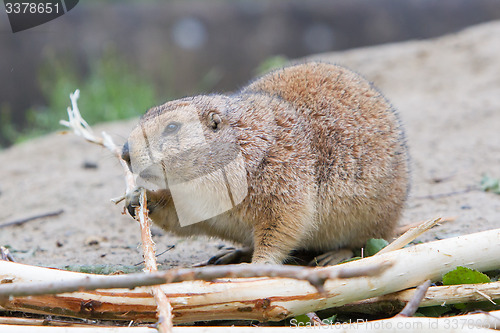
{"x": 264, "y": 299}
{"x": 79, "y": 281}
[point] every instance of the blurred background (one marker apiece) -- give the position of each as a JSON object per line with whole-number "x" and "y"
{"x": 126, "y": 56}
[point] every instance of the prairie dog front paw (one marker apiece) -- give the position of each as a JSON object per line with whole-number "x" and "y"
{"x": 155, "y": 200}
{"x": 132, "y": 200}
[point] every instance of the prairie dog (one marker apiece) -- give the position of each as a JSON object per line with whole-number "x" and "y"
{"x": 311, "y": 157}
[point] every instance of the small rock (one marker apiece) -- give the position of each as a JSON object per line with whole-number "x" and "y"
{"x": 89, "y": 165}
{"x": 94, "y": 240}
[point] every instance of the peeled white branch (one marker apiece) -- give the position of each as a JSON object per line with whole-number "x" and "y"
{"x": 265, "y": 299}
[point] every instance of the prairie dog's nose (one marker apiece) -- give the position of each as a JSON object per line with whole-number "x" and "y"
{"x": 126, "y": 153}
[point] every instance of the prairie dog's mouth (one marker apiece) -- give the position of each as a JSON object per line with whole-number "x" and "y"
{"x": 146, "y": 175}
{"x": 154, "y": 174}
{"x": 158, "y": 175}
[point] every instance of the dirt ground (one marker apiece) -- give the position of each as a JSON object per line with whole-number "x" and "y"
{"x": 447, "y": 91}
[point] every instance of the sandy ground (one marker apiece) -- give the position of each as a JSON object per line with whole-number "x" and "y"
{"x": 447, "y": 91}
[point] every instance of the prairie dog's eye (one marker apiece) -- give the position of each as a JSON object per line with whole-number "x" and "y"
{"x": 215, "y": 121}
{"x": 172, "y": 128}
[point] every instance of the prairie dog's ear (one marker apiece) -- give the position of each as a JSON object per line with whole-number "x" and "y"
{"x": 214, "y": 120}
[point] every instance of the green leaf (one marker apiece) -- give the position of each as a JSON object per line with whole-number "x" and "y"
{"x": 351, "y": 259}
{"x": 329, "y": 320}
{"x": 490, "y": 184}
{"x": 374, "y": 245}
{"x": 302, "y": 320}
{"x": 464, "y": 275}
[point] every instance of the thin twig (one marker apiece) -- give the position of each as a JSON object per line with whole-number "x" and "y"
{"x": 168, "y": 249}
{"x": 412, "y": 306}
{"x": 31, "y": 218}
{"x": 147, "y": 241}
{"x": 313, "y": 317}
{"x": 447, "y": 194}
{"x": 157, "y": 255}
{"x": 404, "y": 228}
{"x": 117, "y": 200}
{"x": 409, "y": 236}
{"x": 486, "y": 296}
{"x": 81, "y": 128}
{"x": 5, "y": 254}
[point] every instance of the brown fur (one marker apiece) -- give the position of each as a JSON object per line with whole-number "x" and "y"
{"x": 324, "y": 155}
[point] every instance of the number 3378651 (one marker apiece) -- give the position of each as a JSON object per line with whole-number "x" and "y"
{"x": 31, "y": 8}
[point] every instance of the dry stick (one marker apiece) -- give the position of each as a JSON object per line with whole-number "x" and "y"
{"x": 313, "y": 317}
{"x": 164, "y": 310}
{"x": 404, "y": 228}
{"x": 82, "y": 128}
{"x": 447, "y": 194}
{"x": 5, "y": 254}
{"x": 413, "y": 305}
{"x": 408, "y": 236}
{"x": 31, "y": 218}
